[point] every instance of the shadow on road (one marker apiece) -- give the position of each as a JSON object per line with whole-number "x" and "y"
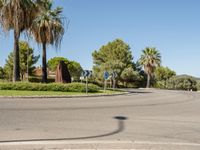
{"x": 121, "y": 128}
{"x": 140, "y": 92}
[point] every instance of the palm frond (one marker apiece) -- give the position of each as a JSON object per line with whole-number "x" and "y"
{"x": 150, "y": 59}
{"x": 48, "y": 27}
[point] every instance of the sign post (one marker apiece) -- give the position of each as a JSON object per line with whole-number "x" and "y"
{"x": 114, "y": 75}
{"x": 86, "y": 88}
{"x": 86, "y": 74}
{"x": 110, "y": 78}
{"x": 106, "y": 76}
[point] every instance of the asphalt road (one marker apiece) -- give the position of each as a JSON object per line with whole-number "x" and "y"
{"x": 152, "y": 117}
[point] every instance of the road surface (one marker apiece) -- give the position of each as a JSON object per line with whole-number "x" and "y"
{"x": 146, "y": 118}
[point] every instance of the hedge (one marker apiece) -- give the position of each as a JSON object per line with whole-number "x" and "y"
{"x": 70, "y": 87}
{"x": 39, "y": 79}
{"x": 178, "y": 83}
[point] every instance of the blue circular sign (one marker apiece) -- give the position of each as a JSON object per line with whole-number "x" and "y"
{"x": 106, "y": 75}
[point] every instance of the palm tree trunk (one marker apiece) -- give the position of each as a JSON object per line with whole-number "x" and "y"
{"x": 148, "y": 80}
{"x": 16, "y": 64}
{"x": 44, "y": 63}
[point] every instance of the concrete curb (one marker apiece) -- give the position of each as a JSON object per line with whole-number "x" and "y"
{"x": 97, "y": 145}
{"x": 67, "y": 145}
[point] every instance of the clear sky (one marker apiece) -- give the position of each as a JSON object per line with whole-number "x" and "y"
{"x": 172, "y": 26}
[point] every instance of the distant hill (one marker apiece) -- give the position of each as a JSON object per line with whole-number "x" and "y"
{"x": 185, "y": 75}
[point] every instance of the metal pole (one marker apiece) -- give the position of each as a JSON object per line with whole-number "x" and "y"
{"x": 105, "y": 85}
{"x": 86, "y": 85}
{"x": 113, "y": 84}
{"x": 110, "y": 82}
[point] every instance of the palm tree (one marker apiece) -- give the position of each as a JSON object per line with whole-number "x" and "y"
{"x": 47, "y": 29}
{"x": 17, "y": 15}
{"x": 150, "y": 59}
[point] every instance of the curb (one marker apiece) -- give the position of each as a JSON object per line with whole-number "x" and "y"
{"x": 68, "y": 145}
{"x": 97, "y": 145}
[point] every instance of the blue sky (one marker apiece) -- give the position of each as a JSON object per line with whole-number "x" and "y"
{"x": 172, "y": 26}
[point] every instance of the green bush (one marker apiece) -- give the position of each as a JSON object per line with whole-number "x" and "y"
{"x": 2, "y": 80}
{"x": 39, "y": 79}
{"x": 198, "y": 85}
{"x": 70, "y": 87}
{"x": 182, "y": 83}
{"x": 160, "y": 84}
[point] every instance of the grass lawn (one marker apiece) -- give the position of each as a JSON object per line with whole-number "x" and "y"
{"x": 49, "y": 93}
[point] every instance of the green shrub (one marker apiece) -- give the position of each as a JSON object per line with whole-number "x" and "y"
{"x": 198, "y": 85}
{"x": 182, "y": 83}
{"x": 70, "y": 87}
{"x": 160, "y": 84}
{"x": 39, "y": 79}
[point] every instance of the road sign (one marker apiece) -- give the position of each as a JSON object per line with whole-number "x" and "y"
{"x": 86, "y": 73}
{"x": 106, "y": 75}
{"x": 114, "y": 75}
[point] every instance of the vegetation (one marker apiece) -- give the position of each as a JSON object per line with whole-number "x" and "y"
{"x": 150, "y": 60}
{"x": 113, "y": 57}
{"x": 198, "y": 85}
{"x": 35, "y": 79}
{"x": 37, "y": 93}
{"x": 47, "y": 28}
{"x": 74, "y": 67}
{"x": 182, "y": 83}
{"x": 45, "y": 25}
{"x": 26, "y": 57}
{"x": 1, "y": 73}
{"x": 17, "y": 15}
{"x": 131, "y": 78}
{"x": 70, "y": 87}
{"x": 162, "y": 74}
{"x": 54, "y": 93}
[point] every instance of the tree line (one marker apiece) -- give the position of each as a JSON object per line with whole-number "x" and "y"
{"x": 117, "y": 57}
{"x": 39, "y": 20}
{"x": 28, "y": 61}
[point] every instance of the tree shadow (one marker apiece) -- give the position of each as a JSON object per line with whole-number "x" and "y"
{"x": 121, "y": 128}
